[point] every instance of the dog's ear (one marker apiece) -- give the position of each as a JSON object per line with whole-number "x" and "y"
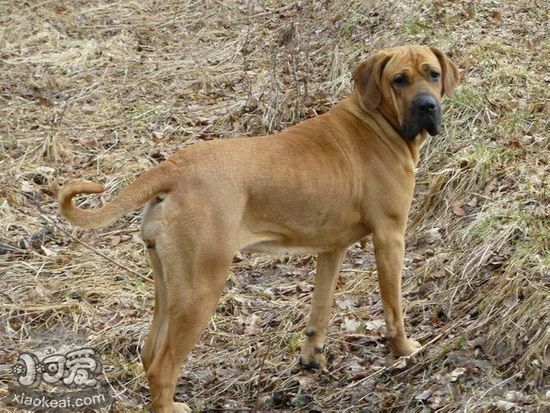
{"x": 367, "y": 76}
{"x": 449, "y": 75}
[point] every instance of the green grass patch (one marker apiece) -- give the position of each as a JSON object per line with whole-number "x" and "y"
{"x": 294, "y": 343}
{"x": 350, "y": 24}
{"x": 144, "y": 113}
{"x": 465, "y": 98}
{"x": 414, "y": 26}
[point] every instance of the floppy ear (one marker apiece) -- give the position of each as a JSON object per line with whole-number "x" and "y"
{"x": 367, "y": 76}
{"x": 449, "y": 75}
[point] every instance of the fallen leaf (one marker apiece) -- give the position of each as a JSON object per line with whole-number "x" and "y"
{"x": 505, "y": 406}
{"x": 456, "y": 373}
{"x": 48, "y": 252}
{"x": 344, "y": 303}
{"x": 306, "y": 381}
{"x": 45, "y": 101}
{"x": 457, "y": 209}
{"x": 514, "y": 396}
{"x": 351, "y": 324}
{"x": 435, "y": 402}
{"x": 425, "y": 395}
{"x": 27, "y": 187}
{"x": 496, "y": 16}
{"x": 430, "y": 236}
{"x": 114, "y": 240}
{"x": 250, "y": 327}
{"x": 374, "y": 325}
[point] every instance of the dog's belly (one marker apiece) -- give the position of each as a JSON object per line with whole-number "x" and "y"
{"x": 277, "y": 248}
{"x": 283, "y": 242}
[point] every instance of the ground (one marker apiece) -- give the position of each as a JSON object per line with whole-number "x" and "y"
{"x": 104, "y": 90}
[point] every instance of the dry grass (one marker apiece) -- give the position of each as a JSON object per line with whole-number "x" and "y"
{"x": 104, "y": 90}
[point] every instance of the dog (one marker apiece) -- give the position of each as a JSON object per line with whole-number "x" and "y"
{"x": 315, "y": 188}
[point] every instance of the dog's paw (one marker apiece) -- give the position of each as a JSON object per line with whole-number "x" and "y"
{"x": 175, "y": 408}
{"x": 181, "y": 408}
{"x": 313, "y": 360}
{"x": 404, "y": 347}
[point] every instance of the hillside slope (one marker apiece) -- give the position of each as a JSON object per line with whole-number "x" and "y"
{"x": 104, "y": 90}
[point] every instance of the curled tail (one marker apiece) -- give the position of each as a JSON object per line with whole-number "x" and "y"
{"x": 146, "y": 186}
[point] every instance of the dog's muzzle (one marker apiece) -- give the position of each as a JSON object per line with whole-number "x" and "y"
{"x": 424, "y": 114}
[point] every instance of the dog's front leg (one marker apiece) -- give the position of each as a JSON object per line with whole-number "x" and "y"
{"x": 328, "y": 269}
{"x": 389, "y": 249}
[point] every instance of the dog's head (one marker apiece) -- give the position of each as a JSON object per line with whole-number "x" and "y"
{"x": 406, "y": 84}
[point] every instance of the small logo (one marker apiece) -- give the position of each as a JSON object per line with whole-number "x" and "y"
{"x": 77, "y": 369}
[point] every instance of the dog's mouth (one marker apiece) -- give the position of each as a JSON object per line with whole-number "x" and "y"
{"x": 433, "y": 126}
{"x": 421, "y": 119}
{"x": 410, "y": 130}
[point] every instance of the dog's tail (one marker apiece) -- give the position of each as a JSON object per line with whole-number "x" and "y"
{"x": 152, "y": 182}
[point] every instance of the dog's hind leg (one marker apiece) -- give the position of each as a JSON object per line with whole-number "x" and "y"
{"x": 328, "y": 269}
{"x": 160, "y": 298}
{"x": 150, "y": 230}
{"x": 195, "y": 261}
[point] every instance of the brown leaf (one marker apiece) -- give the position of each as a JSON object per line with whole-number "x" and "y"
{"x": 517, "y": 144}
{"x": 6, "y": 358}
{"x": 344, "y": 303}
{"x": 374, "y": 325}
{"x": 430, "y": 236}
{"x": 45, "y": 101}
{"x": 351, "y": 324}
{"x": 286, "y": 35}
{"x": 425, "y": 395}
{"x": 306, "y": 381}
{"x": 456, "y": 373}
{"x": 457, "y": 209}
{"x": 26, "y": 187}
{"x": 496, "y": 16}
{"x": 114, "y": 240}
{"x": 490, "y": 187}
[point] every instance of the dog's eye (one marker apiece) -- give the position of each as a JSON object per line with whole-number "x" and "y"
{"x": 400, "y": 80}
{"x": 434, "y": 75}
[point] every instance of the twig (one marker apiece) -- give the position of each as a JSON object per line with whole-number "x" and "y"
{"x": 260, "y": 374}
{"x": 72, "y": 237}
{"x": 40, "y": 308}
{"x": 395, "y": 364}
{"x": 279, "y": 10}
{"x": 491, "y": 389}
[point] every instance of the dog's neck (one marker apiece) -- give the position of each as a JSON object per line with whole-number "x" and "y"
{"x": 385, "y": 130}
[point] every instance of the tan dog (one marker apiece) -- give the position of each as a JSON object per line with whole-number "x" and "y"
{"x": 316, "y": 188}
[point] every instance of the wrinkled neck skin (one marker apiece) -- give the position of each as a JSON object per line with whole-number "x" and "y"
{"x": 388, "y": 127}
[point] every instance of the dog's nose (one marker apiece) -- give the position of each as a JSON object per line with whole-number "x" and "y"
{"x": 426, "y": 103}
